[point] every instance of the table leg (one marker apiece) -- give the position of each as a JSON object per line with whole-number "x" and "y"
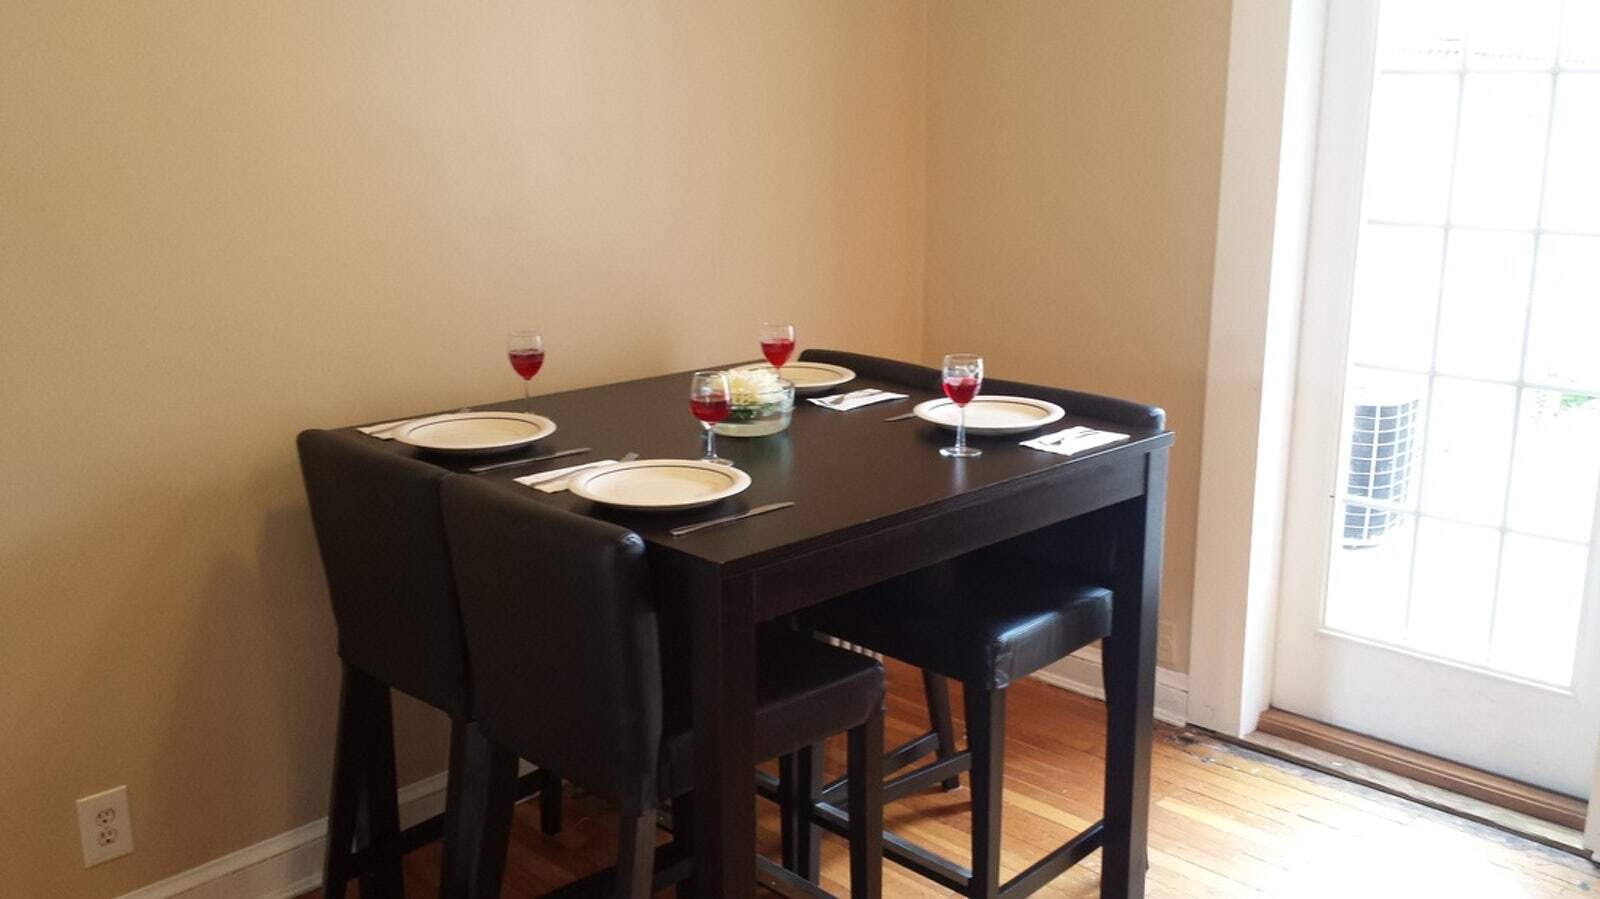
{"x": 1130, "y": 681}
{"x": 723, "y": 661}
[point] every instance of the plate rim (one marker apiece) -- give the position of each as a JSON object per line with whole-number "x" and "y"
{"x": 402, "y": 434}
{"x": 1053, "y": 413}
{"x": 741, "y": 482}
{"x": 849, "y": 374}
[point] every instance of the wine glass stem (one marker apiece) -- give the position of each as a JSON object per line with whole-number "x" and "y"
{"x": 961, "y": 429}
{"x": 527, "y": 396}
{"x": 711, "y": 442}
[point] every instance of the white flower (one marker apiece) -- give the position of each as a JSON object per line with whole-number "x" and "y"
{"x": 752, "y": 386}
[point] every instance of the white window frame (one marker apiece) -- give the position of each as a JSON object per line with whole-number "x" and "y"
{"x": 1263, "y": 219}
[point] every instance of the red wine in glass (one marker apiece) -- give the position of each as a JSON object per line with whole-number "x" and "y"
{"x": 961, "y": 379}
{"x": 527, "y": 362}
{"x": 709, "y": 409}
{"x": 961, "y": 390}
{"x": 777, "y": 343}
{"x": 526, "y": 351}
{"x": 709, "y": 401}
{"x": 777, "y": 350}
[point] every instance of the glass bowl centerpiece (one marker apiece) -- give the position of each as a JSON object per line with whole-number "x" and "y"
{"x": 760, "y": 402}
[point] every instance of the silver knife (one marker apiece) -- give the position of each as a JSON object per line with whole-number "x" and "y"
{"x": 531, "y": 459}
{"x": 901, "y": 417}
{"x": 728, "y": 519}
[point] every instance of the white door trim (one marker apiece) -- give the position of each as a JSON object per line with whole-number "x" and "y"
{"x": 1591, "y": 833}
{"x": 1263, "y": 215}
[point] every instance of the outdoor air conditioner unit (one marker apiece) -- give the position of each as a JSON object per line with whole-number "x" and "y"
{"x": 1382, "y": 451}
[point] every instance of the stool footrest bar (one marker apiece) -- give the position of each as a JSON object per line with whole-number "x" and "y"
{"x": 1051, "y": 866}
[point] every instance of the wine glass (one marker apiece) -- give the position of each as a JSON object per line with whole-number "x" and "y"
{"x": 963, "y": 375}
{"x": 709, "y": 400}
{"x": 526, "y": 349}
{"x": 777, "y": 342}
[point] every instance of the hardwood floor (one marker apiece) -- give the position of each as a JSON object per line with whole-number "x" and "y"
{"x": 1225, "y": 822}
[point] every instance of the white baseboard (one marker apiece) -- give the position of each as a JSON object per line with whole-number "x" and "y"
{"x": 1080, "y": 673}
{"x": 286, "y": 865}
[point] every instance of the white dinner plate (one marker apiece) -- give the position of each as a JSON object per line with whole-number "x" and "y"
{"x": 659, "y": 485}
{"x": 808, "y": 377}
{"x": 475, "y": 433}
{"x": 992, "y": 414}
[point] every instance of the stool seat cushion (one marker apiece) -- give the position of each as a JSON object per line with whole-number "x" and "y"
{"x": 984, "y": 619}
{"x": 806, "y": 691}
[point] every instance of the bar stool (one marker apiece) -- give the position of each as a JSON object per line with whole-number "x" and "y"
{"x": 381, "y": 535}
{"x": 985, "y": 620}
{"x": 566, "y": 660}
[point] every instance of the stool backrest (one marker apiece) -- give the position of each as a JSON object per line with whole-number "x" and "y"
{"x": 1109, "y": 410}
{"x": 562, "y": 633}
{"x": 381, "y": 532}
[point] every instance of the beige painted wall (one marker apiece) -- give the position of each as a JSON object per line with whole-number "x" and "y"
{"x": 223, "y": 222}
{"x": 1074, "y": 151}
{"x": 220, "y": 223}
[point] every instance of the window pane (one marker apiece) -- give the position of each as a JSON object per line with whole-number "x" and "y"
{"x": 1536, "y": 619}
{"x": 1487, "y": 275}
{"x": 1367, "y": 579}
{"x": 1422, "y": 34}
{"x": 1580, "y": 34}
{"x": 1500, "y": 151}
{"x": 1468, "y": 450}
{"x": 1452, "y": 594}
{"x": 1562, "y": 348}
{"x": 1396, "y": 292}
{"x": 1572, "y": 188}
{"x": 1409, "y": 141}
{"x": 1512, "y": 34}
{"x": 1557, "y": 465}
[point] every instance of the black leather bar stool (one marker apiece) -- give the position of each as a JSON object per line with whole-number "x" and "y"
{"x": 985, "y": 619}
{"x": 567, "y": 664}
{"x": 381, "y": 534}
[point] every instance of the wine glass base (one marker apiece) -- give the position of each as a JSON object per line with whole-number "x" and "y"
{"x": 716, "y": 460}
{"x": 960, "y": 452}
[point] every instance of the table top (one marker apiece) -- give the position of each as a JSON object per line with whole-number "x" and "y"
{"x": 847, "y": 472}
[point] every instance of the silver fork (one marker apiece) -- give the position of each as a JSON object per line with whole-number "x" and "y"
{"x": 1060, "y": 437}
{"x": 842, "y": 398}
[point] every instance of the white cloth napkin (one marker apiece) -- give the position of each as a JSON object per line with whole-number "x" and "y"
{"x": 386, "y": 430}
{"x": 855, "y": 399}
{"x": 1074, "y": 440}
{"x": 556, "y": 479}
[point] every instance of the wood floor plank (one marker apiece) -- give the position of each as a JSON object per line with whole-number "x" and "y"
{"x": 1225, "y": 822}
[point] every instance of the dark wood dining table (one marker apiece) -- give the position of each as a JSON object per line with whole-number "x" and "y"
{"x": 873, "y": 500}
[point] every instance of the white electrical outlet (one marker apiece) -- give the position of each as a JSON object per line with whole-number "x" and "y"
{"x": 104, "y": 826}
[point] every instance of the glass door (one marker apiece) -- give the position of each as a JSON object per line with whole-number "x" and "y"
{"x": 1440, "y": 581}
